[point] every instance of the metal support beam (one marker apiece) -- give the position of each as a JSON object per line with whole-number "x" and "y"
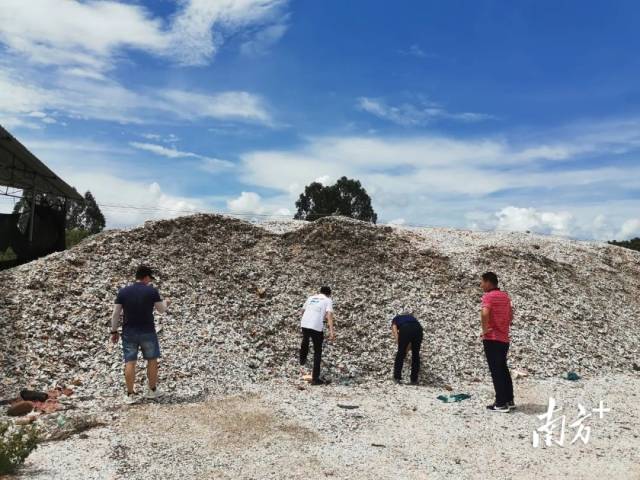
{"x": 64, "y": 211}
{"x": 32, "y": 218}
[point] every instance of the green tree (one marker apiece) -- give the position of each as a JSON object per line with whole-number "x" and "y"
{"x": 83, "y": 218}
{"x": 346, "y": 197}
{"x": 90, "y": 218}
{"x": 633, "y": 244}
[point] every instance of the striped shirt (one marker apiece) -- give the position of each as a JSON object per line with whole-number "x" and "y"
{"x": 500, "y": 315}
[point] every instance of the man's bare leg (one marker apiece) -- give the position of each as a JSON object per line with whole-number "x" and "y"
{"x": 130, "y": 375}
{"x": 152, "y": 373}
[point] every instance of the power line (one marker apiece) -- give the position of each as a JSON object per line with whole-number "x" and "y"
{"x": 275, "y": 216}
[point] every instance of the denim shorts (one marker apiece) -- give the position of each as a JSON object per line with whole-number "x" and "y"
{"x": 145, "y": 341}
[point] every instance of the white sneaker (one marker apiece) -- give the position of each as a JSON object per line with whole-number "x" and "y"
{"x": 130, "y": 398}
{"x": 152, "y": 394}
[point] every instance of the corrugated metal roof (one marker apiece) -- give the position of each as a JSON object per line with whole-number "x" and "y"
{"x": 19, "y": 168}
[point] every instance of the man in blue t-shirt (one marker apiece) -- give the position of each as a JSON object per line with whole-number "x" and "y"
{"x": 134, "y": 305}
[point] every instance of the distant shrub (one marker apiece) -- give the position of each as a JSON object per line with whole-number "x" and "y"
{"x": 16, "y": 443}
{"x": 7, "y": 255}
{"x": 75, "y": 236}
{"x": 633, "y": 244}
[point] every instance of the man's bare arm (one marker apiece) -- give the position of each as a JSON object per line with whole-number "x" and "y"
{"x": 115, "y": 317}
{"x": 394, "y": 330}
{"x": 330, "y": 319}
{"x": 162, "y": 306}
{"x": 484, "y": 320}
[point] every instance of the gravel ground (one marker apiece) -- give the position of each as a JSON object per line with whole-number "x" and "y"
{"x": 289, "y": 430}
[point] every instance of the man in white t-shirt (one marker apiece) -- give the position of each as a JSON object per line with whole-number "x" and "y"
{"x": 316, "y": 309}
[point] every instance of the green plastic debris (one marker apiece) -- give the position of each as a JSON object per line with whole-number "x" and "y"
{"x": 573, "y": 376}
{"x": 458, "y": 397}
{"x": 61, "y": 420}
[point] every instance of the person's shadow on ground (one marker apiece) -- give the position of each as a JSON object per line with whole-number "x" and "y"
{"x": 531, "y": 409}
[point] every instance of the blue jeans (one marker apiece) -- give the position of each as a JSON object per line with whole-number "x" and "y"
{"x": 133, "y": 341}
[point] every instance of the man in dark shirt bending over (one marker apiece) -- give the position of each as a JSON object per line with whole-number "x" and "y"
{"x": 408, "y": 333}
{"x": 135, "y": 303}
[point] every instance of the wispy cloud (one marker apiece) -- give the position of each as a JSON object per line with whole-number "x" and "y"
{"x": 208, "y": 164}
{"x": 83, "y": 98}
{"x": 415, "y": 114}
{"x": 171, "y": 138}
{"x": 261, "y": 41}
{"x": 517, "y": 184}
{"x": 416, "y": 51}
{"x": 200, "y": 28}
{"x": 235, "y": 105}
{"x": 87, "y": 36}
{"x": 64, "y": 60}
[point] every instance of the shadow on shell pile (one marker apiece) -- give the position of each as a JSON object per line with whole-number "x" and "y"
{"x": 237, "y": 290}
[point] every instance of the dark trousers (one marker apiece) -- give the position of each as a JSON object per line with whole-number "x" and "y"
{"x": 496, "y": 353}
{"x": 408, "y": 334}
{"x": 317, "y": 338}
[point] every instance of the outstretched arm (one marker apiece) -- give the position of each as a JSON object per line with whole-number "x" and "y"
{"x": 162, "y": 306}
{"x": 332, "y": 333}
{"x": 115, "y": 321}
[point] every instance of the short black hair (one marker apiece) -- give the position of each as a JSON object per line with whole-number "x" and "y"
{"x": 491, "y": 278}
{"x": 326, "y": 291}
{"x": 144, "y": 271}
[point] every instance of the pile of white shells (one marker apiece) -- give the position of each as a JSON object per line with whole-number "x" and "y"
{"x": 237, "y": 289}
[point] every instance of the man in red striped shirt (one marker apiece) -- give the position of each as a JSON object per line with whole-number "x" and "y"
{"x": 496, "y": 319}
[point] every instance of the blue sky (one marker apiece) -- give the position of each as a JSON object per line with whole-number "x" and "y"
{"x": 473, "y": 114}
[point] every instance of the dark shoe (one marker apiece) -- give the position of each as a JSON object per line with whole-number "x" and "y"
{"x": 318, "y": 381}
{"x": 511, "y": 405}
{"x": 498, "y": 408}
{"x": 397, "y": 381}
{"x": 414, "y": 383}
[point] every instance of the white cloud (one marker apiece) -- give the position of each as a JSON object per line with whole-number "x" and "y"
{"x": 207, "y": 164}
{"x": 61, "y": 58}
{"x": 126, "y": 202}
{"x": 264, "y": 39}
{"x": 162, "y": 150}
{"x": 150, "y": 202}
{"x": 89, "y": 35}
{"x": 247, "y": 202}
{"x": 437, "y": 179}
{"x": 195, "y": 37}
{"x": 18, "y": 95}
{"x": 251, "y": 203}
{"x": 110, "y": 101}
{"x": 125, "y": 199}
{"x": 415, "y": 51}
{"x": 324, "y": 179}
{"x": 429, "y": 163}
{"x": 215, "y": 165}
{"x": 236, "y": 105}
{"x": 578, "y": 221}
{"x": 77, "y": 33}
{"x": 151, "y": 136}
{"x": 530, "y": 219}
{"x": 409, "y": 114}
{"x": 630, "y": 228}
